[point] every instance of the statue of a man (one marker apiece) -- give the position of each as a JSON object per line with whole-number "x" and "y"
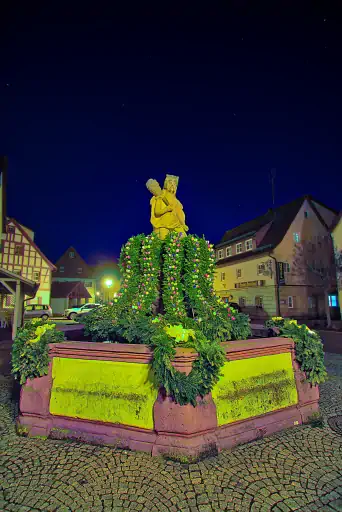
{"x": 166, "y": 211}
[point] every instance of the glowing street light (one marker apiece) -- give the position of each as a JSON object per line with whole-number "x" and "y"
{"x": 109, "y": 283}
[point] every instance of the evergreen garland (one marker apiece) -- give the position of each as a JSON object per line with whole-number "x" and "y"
{"x": 308, "y": 347}
{"x": 173, "y": 289}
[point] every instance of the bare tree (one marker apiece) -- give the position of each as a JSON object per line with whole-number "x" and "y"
{"x": 315, "y": 264}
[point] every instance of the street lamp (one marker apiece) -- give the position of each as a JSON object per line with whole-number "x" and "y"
{"x": 108, "y": 283}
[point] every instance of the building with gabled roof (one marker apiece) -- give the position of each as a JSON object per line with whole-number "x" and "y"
{"x": 21, "y": 255}
{"x": 260, "y": 264}
{"x": 73, "y": 278}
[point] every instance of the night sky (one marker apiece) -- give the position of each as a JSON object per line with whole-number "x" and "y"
{"x": 95, "y": 101}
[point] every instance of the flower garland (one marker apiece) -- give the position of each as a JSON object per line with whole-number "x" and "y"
{"x": 173, "y": 296}
{"x": 149, "y": 274}
{"x": 130, "y": 268}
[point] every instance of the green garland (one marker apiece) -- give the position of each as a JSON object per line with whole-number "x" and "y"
{"x": 149, "y": 274}
{"x": 173, "y": 290}
{"x": 308, "y": 347}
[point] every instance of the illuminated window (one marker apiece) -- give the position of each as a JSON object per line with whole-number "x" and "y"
{"x": 220, "y": 254}
{"x": 79, "y": 270}
{"x": 61, "y": 269}
{"x": 10, "y": 229}
{"x": 71, "y": 254}
{"x": 287, "y": 267}
{"x": 238, "y": 248}
{"x": 290, "y": 302}
{"x": 259, "y": 302}
{"x": 36, "y": 276}
{"x": 88, "y": 284}
{"x": 333, "y": 301}
{"x": 249, "y": 245}
{"x": 242, "y": 302}
{"x": 228, "y": 251}
{"x": 239, "y": 272}
{"x": 223, "y": 276}
{"x": 296, "y": 237}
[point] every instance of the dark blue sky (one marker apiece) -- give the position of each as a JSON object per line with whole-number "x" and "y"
{"x": 98, "y": 101}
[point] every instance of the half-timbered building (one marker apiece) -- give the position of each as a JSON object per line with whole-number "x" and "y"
{"x": 20, "y": 255}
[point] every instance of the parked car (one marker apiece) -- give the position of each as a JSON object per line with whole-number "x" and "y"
{"x": 81, "y": 314}
{"x": 38, "y": 311}
{"x": 71, "y": 313}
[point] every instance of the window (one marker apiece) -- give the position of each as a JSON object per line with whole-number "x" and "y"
{"x": 296, "y": 237}
{"x": 239, "y": 272}
{"x": 238, "y": 248}
{"x": 290, "y": 302}
{"x": 249, "y": 245}
{"x": 259, "y": 302}
{"x": 88, "y": 284}
{"x": 61, "y": 268}
{"x": 261, "y": 268}
{"x": 39, "y": 307}
{"x": 333, "y": 301}
{"x": 71, "y": 254}
{"x": 36, "y": 277}
{"x": 19, "y": 250}
{"x": 242, "y": 302}
{"x": 29, "y": 308}
{"x": 306, "y": 214}
{"x": 79, "y": 270}
{"x": 311, "y": 302}
{"x": 287, "y": 267}
{"x": 228, "y": 251}
{"x": 10, "y": 229}
{"x": 223, "y": 276}
{"x": 220, "y": 254}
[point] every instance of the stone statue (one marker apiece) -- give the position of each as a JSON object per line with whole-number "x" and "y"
{"x": 166, "y": 211}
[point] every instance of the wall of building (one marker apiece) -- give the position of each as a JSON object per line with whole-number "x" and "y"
{"x": 302, "y": 284}
{"x": 337, "y": 237}
{"x": 240, "y": 281}
{"x": 58, "y": 306}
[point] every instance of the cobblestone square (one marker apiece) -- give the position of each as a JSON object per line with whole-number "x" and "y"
{"x": 298, "y": 469}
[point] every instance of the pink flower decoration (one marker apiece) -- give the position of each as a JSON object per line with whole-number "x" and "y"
{"x": 233, "y": 317}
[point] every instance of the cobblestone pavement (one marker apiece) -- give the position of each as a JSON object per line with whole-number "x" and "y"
{"x": 298, "y": 469}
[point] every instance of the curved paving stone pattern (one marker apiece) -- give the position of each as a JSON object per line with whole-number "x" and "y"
{"x": 298, "y": 469}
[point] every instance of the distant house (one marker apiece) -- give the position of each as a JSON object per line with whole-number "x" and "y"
{"x": 73, "y": 282}
{"x": 20, "y": 255}
{"x": 270, "y": 265}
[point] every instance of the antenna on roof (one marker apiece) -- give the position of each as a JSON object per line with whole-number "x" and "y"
{"x": 272, "y": 174}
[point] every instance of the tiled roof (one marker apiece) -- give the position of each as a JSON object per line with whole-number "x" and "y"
{"x": 276, "y": 222}
{"x": 279, "y": 219}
